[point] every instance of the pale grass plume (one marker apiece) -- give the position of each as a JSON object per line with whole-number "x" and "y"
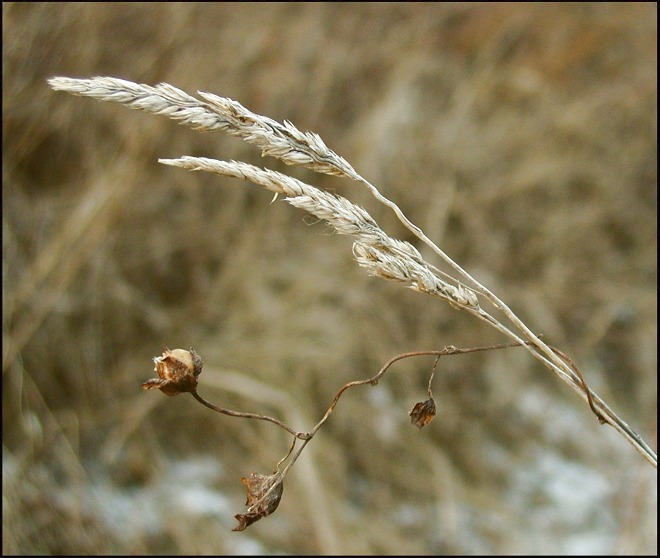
{"x": 378, "y": 253}
{"x": 282, "y": 141}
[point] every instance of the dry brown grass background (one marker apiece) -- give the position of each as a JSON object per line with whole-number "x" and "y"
{"x": 520, "y": 137}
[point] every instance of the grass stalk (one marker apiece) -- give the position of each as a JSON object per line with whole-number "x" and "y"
{"x": 373, "y": 249}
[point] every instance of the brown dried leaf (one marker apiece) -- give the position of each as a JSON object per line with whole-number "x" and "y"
{"x": 264, "y": 494}
{"x": 177, "y": 372}
{"x": 422, "y": 413}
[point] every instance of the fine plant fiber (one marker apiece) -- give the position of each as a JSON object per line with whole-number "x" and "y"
{"x": 520, "y": 138}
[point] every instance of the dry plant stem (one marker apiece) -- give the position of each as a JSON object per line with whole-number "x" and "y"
{"x": 306, "y": 437}
{"x": 435, "y": 364}
{"x": 449, "y": 350}
{"x": 298, "y": 435}
{"x": 285, "y": 142}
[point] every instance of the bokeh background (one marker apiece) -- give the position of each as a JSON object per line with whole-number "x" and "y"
{"x": 521, "y": 138}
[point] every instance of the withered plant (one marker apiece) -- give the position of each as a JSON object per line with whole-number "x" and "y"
{"x": 380, "y": 254}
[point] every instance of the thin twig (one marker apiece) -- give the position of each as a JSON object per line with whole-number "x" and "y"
{"x": 240, "y": 414}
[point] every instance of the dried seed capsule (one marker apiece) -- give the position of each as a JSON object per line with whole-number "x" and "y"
{"x": 177, "y": 372}
{"x": 264, "y": 495}
{"x": 422, "y": 413}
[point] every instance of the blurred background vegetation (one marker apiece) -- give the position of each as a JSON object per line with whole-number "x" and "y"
{"x": 521, "y": 137}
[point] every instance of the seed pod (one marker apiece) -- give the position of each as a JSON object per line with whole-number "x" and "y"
{"x": 264, "y": 495}
{"x": 422, "y": 413}
{"x": 177, "y": 372}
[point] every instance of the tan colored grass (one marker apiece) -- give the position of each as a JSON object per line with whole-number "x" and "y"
{"x": 520, "y": 137}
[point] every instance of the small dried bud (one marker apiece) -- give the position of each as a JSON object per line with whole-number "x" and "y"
{"x": 261, "y": 500}
{"x": 422, "y": 413}
{"x": 177, "y": 372}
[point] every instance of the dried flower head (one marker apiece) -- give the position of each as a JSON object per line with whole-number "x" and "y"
{"x": 422, "y": 413}
{"x": 264, "y": 494}
{"x": 177, "y": 372}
